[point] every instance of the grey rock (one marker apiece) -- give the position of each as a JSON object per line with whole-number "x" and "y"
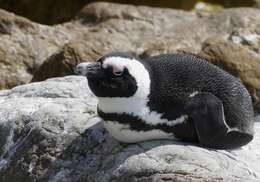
{"x": 50, "y": 132}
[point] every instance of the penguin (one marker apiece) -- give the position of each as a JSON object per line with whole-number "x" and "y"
{"x": 176, "y": 96}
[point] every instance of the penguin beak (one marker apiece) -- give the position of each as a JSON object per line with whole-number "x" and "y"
{"x": 88, "y": 69}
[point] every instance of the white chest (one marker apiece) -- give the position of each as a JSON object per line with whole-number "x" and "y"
{"x": 138, "y": 108}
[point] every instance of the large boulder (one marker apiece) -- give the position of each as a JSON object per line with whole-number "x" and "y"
{"x": 45, "y": 11}
{"x": 57, "y": 11}
{"x": 50, "y": 132}
{"x": 24, "y": 46}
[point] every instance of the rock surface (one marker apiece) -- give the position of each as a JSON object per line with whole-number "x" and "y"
{"x": 50, "y": 132}
{"x": 24, "y": 46}
{"x": 57, "y": 11}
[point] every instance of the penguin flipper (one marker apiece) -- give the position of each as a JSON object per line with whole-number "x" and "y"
{"x": 207, "y": 113}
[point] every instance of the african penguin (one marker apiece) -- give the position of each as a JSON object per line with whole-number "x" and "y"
{"x": 170, "y": 96}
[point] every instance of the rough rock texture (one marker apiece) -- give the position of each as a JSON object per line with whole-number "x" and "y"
{"x": 24, "y": 45}
{"x": 64, "y": 61}
{"x": 57, "y": 11}
{"x": 50, "y": 132}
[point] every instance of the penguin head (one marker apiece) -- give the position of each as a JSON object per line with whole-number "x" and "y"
{"x": 116, "y": 75}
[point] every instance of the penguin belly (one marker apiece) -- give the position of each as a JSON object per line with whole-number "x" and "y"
{"x": 124, "y": 133}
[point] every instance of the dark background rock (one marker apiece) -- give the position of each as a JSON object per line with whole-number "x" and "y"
{"x": 229, "y": 38}
{"x": 30, "y": 51}
{"x": 59, "y": 64}
{"x": 57, "y": 11}
{"x": 24, "y": 46}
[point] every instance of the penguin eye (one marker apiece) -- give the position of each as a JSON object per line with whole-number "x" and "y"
{"x": 118, "y": 73}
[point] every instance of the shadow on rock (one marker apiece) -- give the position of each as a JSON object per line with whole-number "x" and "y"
{"x": 95, "y": 156}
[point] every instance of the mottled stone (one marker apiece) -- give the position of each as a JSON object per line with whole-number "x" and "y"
{"x": 24, "y": 46}
{"x": 57, "y": 11}
{"x": 50, "y": 132}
